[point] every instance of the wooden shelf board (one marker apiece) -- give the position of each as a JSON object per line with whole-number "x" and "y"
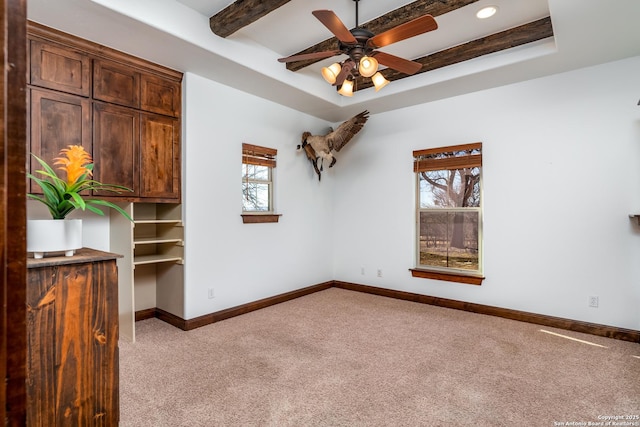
{"x": 152, "y": 240}
{"x": 155, "y": 259}
{"x": 157, "y": 221}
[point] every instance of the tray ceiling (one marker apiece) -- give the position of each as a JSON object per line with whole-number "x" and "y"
{"x": 524, "y": 40}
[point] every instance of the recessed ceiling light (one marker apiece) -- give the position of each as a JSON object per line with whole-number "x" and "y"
{"x": 487, "y": 12}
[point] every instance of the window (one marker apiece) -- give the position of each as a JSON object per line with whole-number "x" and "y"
{"x": 449, "y": 213}
{"x": 257, "y": 184}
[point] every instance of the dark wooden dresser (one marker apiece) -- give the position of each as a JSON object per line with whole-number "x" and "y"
{"x": 72, "y": 357}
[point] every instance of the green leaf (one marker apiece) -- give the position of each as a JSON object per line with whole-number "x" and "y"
{"x": 79, "y": 201}
{"x": 94, "y": 209}
{"x": 49, "y": 172}
{"x": 111, "y": 205}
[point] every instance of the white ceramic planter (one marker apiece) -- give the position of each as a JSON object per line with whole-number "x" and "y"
{"x": 53, "y": 235}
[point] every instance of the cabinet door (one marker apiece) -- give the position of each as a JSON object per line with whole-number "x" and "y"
{"x": 116, "y": 83}
{"x": 159, "y": 157}
{"x": 160, "y": 95}
{"x": 57, "y": 120}
{"x": 116, "y": 138}
{"x": 60, "y": 68}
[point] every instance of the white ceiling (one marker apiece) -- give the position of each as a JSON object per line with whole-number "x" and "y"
{"x": 176, "y": 33}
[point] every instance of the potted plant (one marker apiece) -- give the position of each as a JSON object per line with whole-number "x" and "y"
{"x": 61, "y": 197}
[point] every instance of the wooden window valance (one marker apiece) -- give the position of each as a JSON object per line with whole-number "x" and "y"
{"x": 453, "y": 157}
{"x": 261, "y": 156}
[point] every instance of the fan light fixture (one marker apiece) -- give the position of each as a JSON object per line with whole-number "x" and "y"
{"x": 347, "y": 88}
{"x": 379, "y": 81}
{"x": 368, "y": 66}
{"x": 331, "y": 72}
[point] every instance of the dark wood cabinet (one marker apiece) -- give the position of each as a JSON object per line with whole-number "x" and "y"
{"x": 119, "y": 84}
{"x": 56, "y": 121}
{"x": 124, "y": 110}
{"x": 160, "y": 96}
{"x": 72, "y": 333}
{"x": 159, "y": 156}
{"x": 116, "y": 139}
{"x": 116, "y": 83}
{"x": 58, "y": 67}
{"x": 138, "y": 150}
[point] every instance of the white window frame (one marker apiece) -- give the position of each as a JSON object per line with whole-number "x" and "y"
{"x": 268, "y": 182}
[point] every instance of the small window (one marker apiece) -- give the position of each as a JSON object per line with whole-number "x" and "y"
{"x": 257, "y": 183}
{"x": 449, "y": 213}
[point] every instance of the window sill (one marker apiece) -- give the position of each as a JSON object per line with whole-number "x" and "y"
{"x": 259, "y": 218}
{"x": 449, "y": 277}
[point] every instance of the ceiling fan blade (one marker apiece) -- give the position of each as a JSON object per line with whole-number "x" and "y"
{"x": 397, "y": 63}
{"x": 335, "y": 25}
{"x": 312, "y": 55}
{"x": 413, "y": 28}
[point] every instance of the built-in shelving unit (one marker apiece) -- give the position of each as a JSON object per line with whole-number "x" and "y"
{"x": 151, "y": 272}
{"x": 157, "y": 234}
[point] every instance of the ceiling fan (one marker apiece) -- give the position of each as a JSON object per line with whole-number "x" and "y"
{"x": 361, "y": 45}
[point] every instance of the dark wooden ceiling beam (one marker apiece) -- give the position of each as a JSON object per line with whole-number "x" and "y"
{"x": 241, "y": 13}
{"x": 518, "y": 36}
{"x": 386, "y": 22}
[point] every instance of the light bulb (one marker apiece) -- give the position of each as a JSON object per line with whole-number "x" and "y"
{"x": 368, "y": 66}
{"x": 347, "y": 88}
{"x": 331, "y": 72}
{"x": 379, "y": 81}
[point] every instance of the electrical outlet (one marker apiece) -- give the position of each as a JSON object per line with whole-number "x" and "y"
{"x": 593, "y": 301}
{"x": 379, "y": 273}
{"x": 362, "y": 271}
{"x": 210, "y": 293}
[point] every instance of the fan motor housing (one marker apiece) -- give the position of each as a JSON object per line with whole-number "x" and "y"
{"x": 357, "y": 51}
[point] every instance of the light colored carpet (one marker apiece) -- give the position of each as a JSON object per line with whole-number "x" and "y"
{"x": 343, "y": 358}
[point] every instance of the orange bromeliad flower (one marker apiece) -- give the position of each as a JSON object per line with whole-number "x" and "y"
{"x": 74, "y": 162}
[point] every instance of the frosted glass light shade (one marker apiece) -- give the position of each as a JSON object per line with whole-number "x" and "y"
{"x": 368, "y": 66}
{"x": 379, "y": 81}
{"x": 347, "y": 88}
{"x": 331, "y": 72}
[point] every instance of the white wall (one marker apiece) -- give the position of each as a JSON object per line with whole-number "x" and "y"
{"x": 561, "y": 174}
{"x": 248, "y": 262}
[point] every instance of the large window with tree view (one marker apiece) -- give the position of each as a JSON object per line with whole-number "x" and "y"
{"x": 449, "y": 209}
